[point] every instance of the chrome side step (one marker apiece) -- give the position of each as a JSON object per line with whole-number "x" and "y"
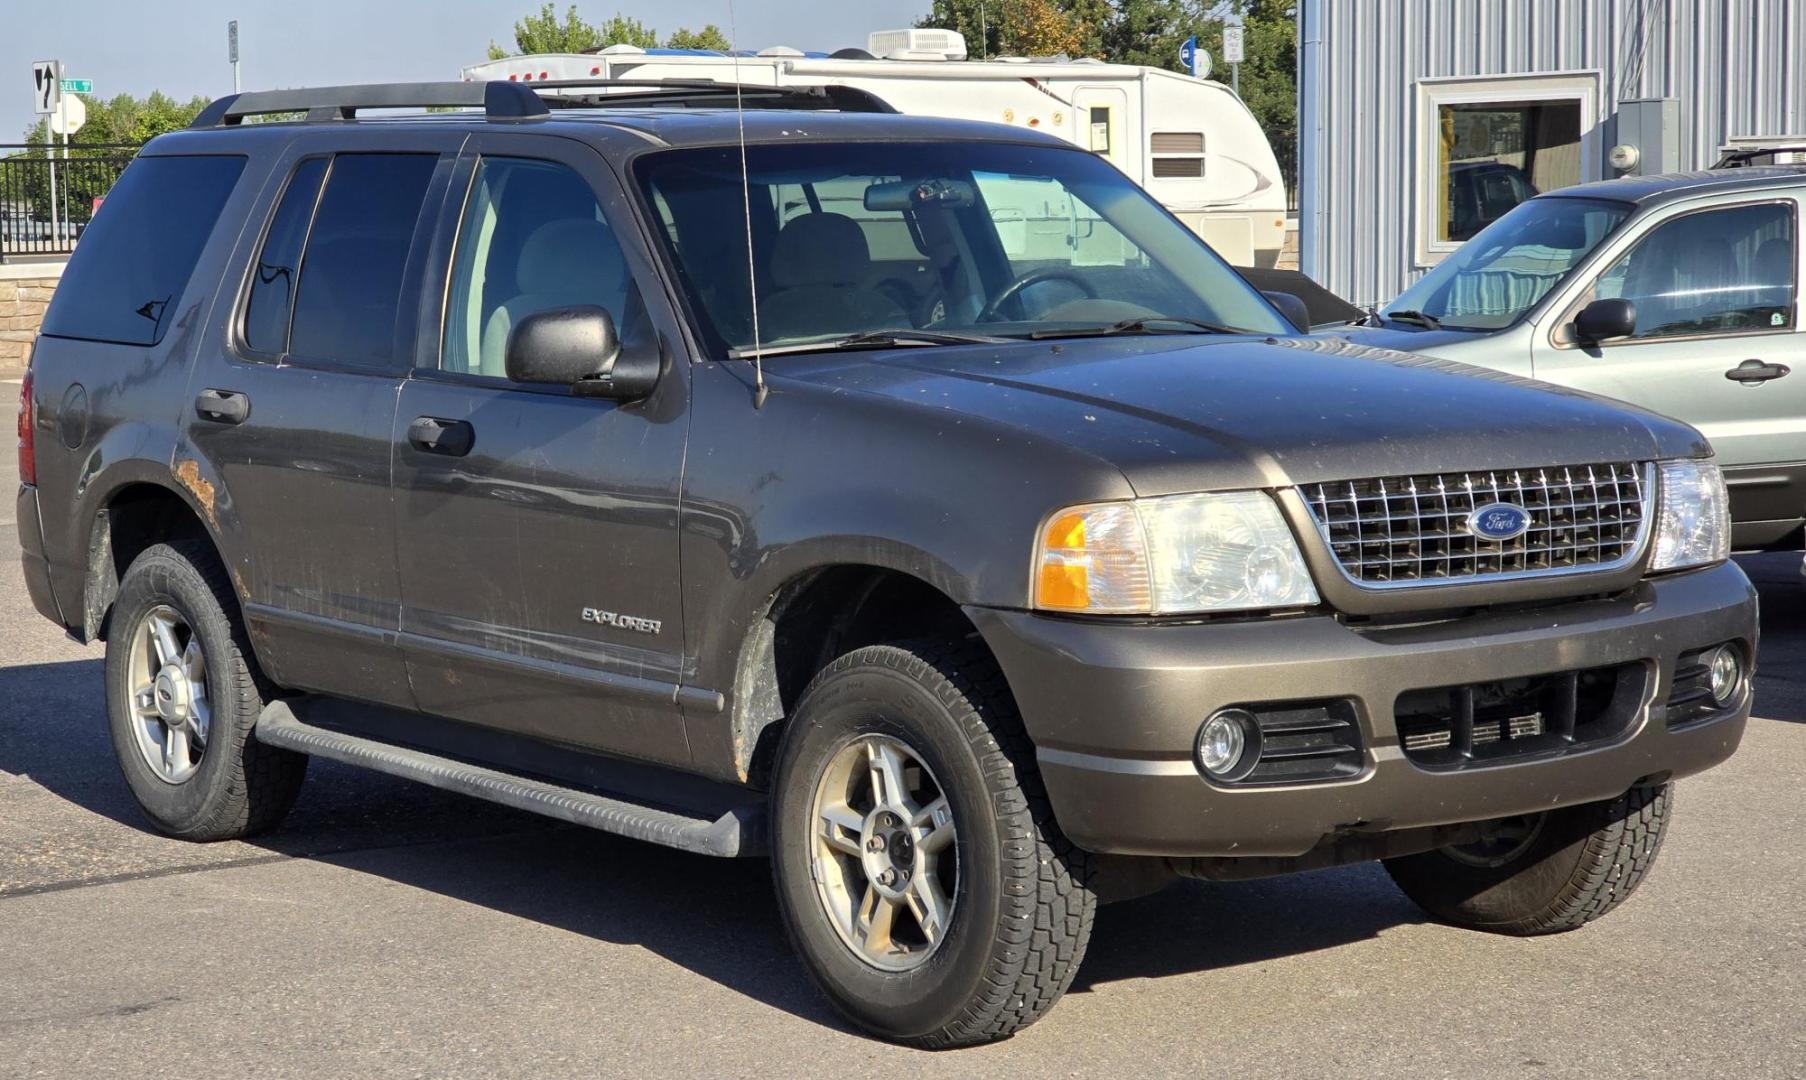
{"x": 738, "y": 831}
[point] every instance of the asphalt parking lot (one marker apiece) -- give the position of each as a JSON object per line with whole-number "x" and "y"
{"x": 392, "y": 930}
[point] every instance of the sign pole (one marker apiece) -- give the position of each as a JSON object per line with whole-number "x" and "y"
{"x": 62, "y": 114}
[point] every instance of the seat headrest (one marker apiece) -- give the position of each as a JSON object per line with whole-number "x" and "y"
{"x": 820, "y": 249}
{"x": 572, "y": 256}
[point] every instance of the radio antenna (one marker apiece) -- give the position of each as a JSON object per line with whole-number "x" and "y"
{"x": 752, "y": 271}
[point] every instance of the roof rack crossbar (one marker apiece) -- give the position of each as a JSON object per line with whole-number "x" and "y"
{"x": 498, "y": 100}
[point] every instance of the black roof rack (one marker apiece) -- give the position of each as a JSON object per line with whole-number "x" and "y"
{"x": 1741, "y": 156}
{"x": 705, "y": 93}
{"x": 499, "y": 101}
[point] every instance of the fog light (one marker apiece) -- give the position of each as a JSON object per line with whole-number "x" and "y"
{"x": 1229, "y": 744}
{"x": 1726, "y": 669}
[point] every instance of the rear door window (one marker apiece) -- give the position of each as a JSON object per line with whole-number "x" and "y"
{"x": 272, "y": 295}
{"x": 347, "y": 300}
{"x": 126, "y": 277}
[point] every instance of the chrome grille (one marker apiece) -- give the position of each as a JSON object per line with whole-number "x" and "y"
{"x": 1412, "y": 530}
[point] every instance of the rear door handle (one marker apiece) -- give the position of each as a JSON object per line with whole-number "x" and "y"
{"x": 453, "y": 438}
{"x": 1755, "y": 372}
{"x": 222, "y": 406}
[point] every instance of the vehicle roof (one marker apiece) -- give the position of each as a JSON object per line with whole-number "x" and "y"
{"x": 1667, "y": 187}
{"x": 667, "y": 126}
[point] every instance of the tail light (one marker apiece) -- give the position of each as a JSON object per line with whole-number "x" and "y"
{"x": 28, "y": 456}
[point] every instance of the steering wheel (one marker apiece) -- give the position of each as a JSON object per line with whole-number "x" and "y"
{"x": 1033, "y": 278}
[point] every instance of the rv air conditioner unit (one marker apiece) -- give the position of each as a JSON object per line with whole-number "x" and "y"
{"x": 917, "y": 45}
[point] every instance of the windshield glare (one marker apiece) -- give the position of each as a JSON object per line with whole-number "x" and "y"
{"x": 1492, "y": 280}
{"x": 992, "y": 239}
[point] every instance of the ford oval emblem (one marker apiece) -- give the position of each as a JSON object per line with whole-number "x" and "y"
{"x": 1499, "y": 522}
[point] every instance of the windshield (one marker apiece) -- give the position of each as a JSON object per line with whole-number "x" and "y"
{"x": 948, "y": 239}
{"x": 1492, "y": 280}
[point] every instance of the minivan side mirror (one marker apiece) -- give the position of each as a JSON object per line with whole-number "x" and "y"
{"x": 1603, "y": 320}
{"x": 1292, "y": 308}
{"x": 577, "y": 347}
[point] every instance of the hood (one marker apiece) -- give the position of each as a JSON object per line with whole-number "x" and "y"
{"x": 1408, "y": 339}
{"x": 1184, "y": 413}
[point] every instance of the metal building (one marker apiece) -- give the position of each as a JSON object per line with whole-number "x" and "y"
{"x": 1422, "y": 120}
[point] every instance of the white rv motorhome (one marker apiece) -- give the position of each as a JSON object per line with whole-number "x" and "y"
{"x": 1190, "y": 142}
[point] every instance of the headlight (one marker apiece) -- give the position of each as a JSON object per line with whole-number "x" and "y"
{"x": 1693, "y": 520}
{"x": 1175, "y": 554}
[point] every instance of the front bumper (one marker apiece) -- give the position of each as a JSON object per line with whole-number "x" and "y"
{"x": 31, "y": 555}
{"x": 1114, "y": 709}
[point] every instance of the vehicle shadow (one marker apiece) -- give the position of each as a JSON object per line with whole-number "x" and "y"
{"x": 715, "y": 917}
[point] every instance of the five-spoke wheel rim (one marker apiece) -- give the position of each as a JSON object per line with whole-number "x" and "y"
{"x": 884, "y": 855}
{"x": 166, "y": 680}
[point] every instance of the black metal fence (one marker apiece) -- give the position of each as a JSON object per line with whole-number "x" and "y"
{"x": 47, "y": 198}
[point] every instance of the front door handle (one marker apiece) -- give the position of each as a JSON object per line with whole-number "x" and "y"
{"x": 222, "y": 406}
{"x": 431, "y": 435}
{"x": 1755, "y": 372}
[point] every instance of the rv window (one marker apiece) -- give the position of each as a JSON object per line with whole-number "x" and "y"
{"x": 1177, "y": 154}
{"x": 1100, "y": 130}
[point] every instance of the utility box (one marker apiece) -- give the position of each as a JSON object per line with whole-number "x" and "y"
{"x": 1646, "y": 137}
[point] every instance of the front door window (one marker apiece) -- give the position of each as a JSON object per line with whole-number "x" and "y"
{"x": 1714, "y": 272}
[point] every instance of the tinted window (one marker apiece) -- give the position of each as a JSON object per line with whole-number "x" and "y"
{"x": 1712, "y": 272}
{"x": 357, "y": 250}
{"x": 278, "y": 264}
{"x": 533, "y": 238}
{"x": 128, "y": 273}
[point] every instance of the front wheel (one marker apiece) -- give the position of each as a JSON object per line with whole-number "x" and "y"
{"x": 920, "y": 872}
{"x": 1543, "y": 873}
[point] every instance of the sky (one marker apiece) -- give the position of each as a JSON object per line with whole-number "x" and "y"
{"x": 179, "y": 46}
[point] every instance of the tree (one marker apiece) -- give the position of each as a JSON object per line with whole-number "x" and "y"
{"x": 124, "y": 119}
{"x": 1042, "y": 28}
{"x": 709, "y": 37}
{"x": 545, "y": 33}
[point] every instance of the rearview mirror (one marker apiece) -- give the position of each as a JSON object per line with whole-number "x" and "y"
{"x": 910, "y": 194}
{"x": 1292, "y": 307}
{"x": 1603, "y": 320}
{"x": 577, "y": 347}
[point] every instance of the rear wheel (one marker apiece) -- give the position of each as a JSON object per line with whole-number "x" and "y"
{"x": 919, "y": 869}
{"x": 183, "y": 694}
{"x": 1542, "y": 873}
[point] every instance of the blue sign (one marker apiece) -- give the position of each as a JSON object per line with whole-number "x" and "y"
{"x": 1188, "y": 55}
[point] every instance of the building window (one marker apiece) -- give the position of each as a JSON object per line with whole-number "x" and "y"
{"x": 1494, "y": 156}
{"x": 1178, "y": 155}
{"x": 1484, "y": 145}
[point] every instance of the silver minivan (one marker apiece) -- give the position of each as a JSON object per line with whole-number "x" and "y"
{"x": 1679, "y": 293}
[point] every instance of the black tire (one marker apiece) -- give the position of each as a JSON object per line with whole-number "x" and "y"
{"x": 240, "y": 786}
{"x": 1578, "y": 864}
{"x": 1022, "y": 905}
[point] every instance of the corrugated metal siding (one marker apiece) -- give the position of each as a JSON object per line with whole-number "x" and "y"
{"x": 1737, "y": 67}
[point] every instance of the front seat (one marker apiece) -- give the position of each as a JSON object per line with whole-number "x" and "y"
{"x": 819, "y": 265}
{"x": 563, "y": 262}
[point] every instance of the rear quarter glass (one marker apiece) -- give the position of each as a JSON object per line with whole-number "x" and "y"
{"x": 126, "y": 277}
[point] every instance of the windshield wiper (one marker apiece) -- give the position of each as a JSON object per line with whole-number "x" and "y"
{"x": 1142, "y": 325}
{"x": 875, "y": 339}
{"x": 1423, "y": 318}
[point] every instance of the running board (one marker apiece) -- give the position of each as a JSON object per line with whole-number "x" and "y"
{"x": 736, "y": 832}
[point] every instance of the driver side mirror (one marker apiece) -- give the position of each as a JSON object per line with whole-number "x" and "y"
{"x": 1603, "y": 320}
{"x": 1292, "y": 307}
{"x": 577, "y": 347}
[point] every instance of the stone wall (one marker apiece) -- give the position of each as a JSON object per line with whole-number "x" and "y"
{"x": 25, "y": 290}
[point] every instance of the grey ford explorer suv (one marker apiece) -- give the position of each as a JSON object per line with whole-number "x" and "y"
{"x": 915, "y": 502}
